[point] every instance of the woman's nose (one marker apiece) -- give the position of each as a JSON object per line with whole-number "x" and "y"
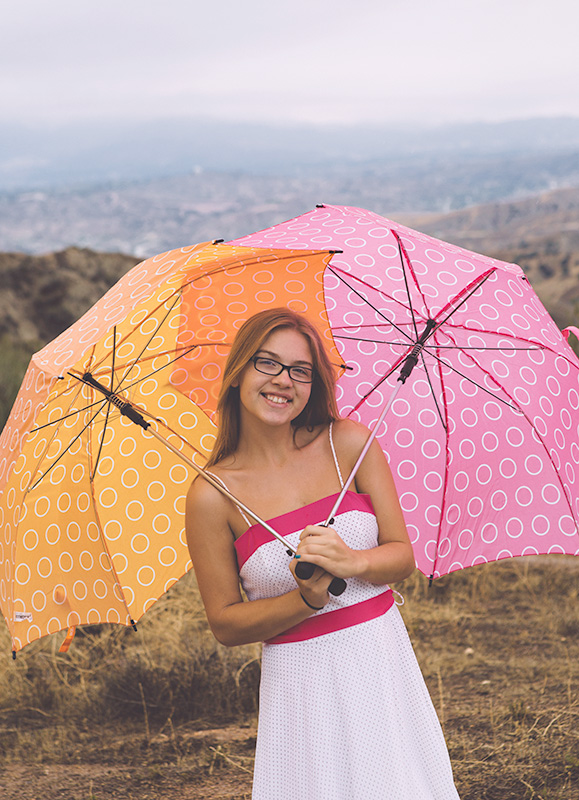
{"x": 283, "y": 379}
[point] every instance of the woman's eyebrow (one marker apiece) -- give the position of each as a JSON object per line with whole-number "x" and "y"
{"x": 276, "y": 357}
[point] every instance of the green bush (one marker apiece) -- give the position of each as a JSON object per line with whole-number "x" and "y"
{"x": 14, "y": 358}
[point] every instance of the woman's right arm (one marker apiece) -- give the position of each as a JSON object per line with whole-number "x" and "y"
{"x": 232, "y": 620}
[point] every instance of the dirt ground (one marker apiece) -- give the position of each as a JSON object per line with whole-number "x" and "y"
{"x": 219, "y": 766}
{"x": 499, "y": 649}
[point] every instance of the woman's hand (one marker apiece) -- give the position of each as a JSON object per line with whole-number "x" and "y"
{"x": 314, "y": 589}
{"x": 322, "y": 546}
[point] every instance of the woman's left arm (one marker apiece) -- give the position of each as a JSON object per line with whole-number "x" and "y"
{"x": 393, "y": 559}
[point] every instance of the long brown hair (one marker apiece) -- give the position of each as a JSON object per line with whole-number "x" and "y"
{"x": 321, "y": 408}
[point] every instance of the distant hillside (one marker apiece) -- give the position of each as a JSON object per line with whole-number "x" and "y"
{"x": 152, "y": 216}
{"x": 540, "y": 233}
{"x": 549, "y": 215}
{"x": 40, "y": 296}
{"x": 553, "y": 271}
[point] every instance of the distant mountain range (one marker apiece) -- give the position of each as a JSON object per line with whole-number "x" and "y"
{"x": 104, "y": 152}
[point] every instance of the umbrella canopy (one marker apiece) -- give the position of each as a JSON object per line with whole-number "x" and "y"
{"x": 92, "y": 507}
{"x": 484, "y": 439}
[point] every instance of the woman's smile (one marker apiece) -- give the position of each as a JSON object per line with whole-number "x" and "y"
{"x": 277, "y": 399}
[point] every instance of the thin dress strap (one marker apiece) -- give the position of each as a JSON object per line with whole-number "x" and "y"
{"x": 241, "y": 511}
{"x": 335, "y": 456}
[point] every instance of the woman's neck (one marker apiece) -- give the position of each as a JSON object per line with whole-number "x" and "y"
{"x": 266, "y": 444}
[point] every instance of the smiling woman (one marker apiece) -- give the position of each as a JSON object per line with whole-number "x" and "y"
{"x": 344, "y": 711}
{"x": 251, "y": 342}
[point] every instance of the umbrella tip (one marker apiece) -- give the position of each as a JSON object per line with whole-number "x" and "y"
{"x": 217, "y": 241}
{"x": 134, "y": 624}
{"x": 14, "y": 655}
{"x": 320, "y": 205}
{"x": 430, "y": 579}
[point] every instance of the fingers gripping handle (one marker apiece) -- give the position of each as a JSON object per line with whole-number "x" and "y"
{"x": 305, "y": 570}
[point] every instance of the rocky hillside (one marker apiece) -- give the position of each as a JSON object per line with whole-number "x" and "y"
{"x": 540, "y": 233}
{"x": 40, "y": 296}
{"x": 550, "y": 215}
{"x": 553, "y": 271}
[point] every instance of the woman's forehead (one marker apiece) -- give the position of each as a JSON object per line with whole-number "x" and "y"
{"x": 287, "y": 342}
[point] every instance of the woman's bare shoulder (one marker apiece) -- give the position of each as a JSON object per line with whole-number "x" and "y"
{"x": 349, "y": 437}
{"x": 205, "y": 500}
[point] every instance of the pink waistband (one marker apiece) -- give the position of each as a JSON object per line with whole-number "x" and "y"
{"x": 332, "y": 621}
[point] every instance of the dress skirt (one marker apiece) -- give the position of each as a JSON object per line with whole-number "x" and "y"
{"x": 344, "y": 711}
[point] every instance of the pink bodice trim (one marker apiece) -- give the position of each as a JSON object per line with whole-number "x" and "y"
{"x": 311, "y": 514}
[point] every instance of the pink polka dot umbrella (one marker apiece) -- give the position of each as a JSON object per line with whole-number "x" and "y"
{"x": 483, "y": 439}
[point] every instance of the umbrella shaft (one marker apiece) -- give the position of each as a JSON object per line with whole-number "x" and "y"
{"x": 412, "y": 359}
{"x": 210, "y": 479}
{"x": 369, "y": 441}
{"x": 337, "y": 585}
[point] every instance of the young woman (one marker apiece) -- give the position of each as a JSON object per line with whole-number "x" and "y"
{"x": 344, "y": 711}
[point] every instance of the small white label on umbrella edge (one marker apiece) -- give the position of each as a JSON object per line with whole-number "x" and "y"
{"x": 22, "y": 616}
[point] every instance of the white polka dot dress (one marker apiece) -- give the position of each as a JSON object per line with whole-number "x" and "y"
{"x": 344, "y": 710}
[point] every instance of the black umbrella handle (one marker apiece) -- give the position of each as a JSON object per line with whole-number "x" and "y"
{"x": 305, "y": 570}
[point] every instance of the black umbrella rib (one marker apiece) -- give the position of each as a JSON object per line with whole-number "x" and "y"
{"x": 372, "y": 341}
{"x": 137, "y": 359}
{"x": 504, "y": 334}
{"x": 365, "y": 299}
{"x": 255, "y": 259}
{"x": 464, "y": 299}
{"x": 130, "y": 386}
{"x": 172, "y": 361}
{"x": 70, "y": 444}
{"x": 439, "y": 346}
{"x": 444, "y": 425}
{"x": 406, "y": 283}
{"x": 96, "y": 463}
{"x": 536, "y": 433}
{"x": 154, "y": 372}
{"x": 66, "y": 416}
{"x": 470, "y": 380}
{"x": 514, "y": 337}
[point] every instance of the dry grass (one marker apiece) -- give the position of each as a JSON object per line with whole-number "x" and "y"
{"x": 167, "y": 713}
{"x": 499, "y": 647}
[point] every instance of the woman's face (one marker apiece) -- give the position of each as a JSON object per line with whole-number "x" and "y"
{"x": 277, "y": 399}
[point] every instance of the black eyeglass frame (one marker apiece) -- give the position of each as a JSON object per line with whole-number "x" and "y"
{"x": 283, "y": 367}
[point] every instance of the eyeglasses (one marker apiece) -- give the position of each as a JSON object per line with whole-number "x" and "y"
{"x": 269, "y": 366}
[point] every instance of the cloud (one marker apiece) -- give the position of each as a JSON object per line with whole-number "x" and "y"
{"x": 311, "y": 61}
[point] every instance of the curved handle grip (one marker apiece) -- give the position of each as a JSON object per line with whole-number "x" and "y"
{"x": 305, "y": 570}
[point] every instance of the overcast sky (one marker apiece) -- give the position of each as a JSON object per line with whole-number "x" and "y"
{"x": 380, "y": 61}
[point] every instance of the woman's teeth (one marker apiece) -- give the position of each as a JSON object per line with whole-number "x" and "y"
{"x": 275, "y": 399}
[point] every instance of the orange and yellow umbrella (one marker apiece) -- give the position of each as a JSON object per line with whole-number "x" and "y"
{"x": 92, "y": 506}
